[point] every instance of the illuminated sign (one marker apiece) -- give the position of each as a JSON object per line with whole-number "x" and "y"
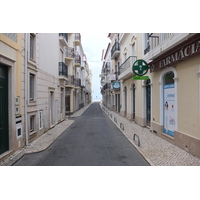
{"x": 116, "y": 85}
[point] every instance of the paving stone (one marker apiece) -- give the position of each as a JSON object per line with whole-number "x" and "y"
{"x": 44, "y": 141}
{"x": 157, "y": 151}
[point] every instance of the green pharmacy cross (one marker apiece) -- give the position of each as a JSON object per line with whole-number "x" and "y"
{"x": 140, "y": 67}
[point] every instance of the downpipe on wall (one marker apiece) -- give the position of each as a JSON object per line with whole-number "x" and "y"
{"x": 25, "y": 87}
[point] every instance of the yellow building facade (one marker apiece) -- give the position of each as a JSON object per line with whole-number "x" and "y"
{"x": 11, "y": 134}
{"x": 168, "y": 102}
{"x": 175, "y": 78}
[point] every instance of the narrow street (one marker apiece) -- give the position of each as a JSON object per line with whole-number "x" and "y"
{"x": 92, "y": 140}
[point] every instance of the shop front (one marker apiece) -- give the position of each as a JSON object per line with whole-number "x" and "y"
{"x": 176, "y": 95}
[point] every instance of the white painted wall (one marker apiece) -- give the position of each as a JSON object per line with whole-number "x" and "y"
{"x": 49, "y": 52}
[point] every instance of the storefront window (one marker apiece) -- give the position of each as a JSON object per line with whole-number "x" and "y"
{"x": 169, "y": 104}
{"x": 169, "y": 78}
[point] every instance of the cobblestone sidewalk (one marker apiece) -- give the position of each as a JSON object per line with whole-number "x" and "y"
{"x": 156, "y": 151}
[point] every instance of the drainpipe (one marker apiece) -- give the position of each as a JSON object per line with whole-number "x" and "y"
{"x": 198, "y": 73}
{"x": 25, "y": 88}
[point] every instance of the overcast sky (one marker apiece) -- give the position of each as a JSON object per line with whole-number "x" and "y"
{"x": 93, "y": 44}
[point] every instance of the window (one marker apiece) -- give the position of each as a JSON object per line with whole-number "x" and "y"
{"x": 40, "y": 119}
{"x": 133, "y": 49}
{"x": 18, "y": 126}
{"x": 146, "y": 43}
{"x": 32, "y": 123}
{"x": 61, "y": 101}
{"x": 32, "y": 46}
{"x": 31, "y": 87}
{"x": 117, "y": 38}
{"x": 169, "y": 78}
{"x": 19, "y": 132}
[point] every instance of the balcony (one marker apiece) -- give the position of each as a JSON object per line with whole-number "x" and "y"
{"x": 167, "y": 43}
{"x": 83, "y": 83}
{"x": 77, "y": 82}
{"x": 102, "y": 91}
{"x": 125, "y": 70}
{"x": 63, "y": 71}
{"x": 77, "y": 60}
{"x": 77, "y": 38}
{"x": 69, "y": 54}
{"x": 103, "y": 80}
{"x": 107, "y": 66}
{"x": 63, "y": 38}
{"x": 147, "y": 50}
{"x": 115, "y": 51}
{"x": 88, "y": 88}
{"x": 107, "y": 86}
{"x": 70, "y": 81}
{"x": 73, "y": 82}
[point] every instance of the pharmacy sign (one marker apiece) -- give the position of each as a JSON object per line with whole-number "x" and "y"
{"x": 140, "y": 67}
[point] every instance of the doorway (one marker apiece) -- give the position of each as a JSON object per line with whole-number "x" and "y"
{"x": 169, "y": 99}
{"x": 148, "y": 103}
{"x": 51, "y": 108}
{"x": 56, "y": 111}
{"x": 118, "y": 103}
{"x": 125, "y": 101}
{"x": 4, "y": 144}
{"x": 133, "y": 101}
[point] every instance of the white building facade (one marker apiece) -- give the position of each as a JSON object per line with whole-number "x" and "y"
{"x": 45, "y": 74}
{"x": 76, "y": 95}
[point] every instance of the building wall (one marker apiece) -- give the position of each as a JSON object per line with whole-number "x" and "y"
{"x": 186, "y": 86}
{"x": 188, "y": 97}
{"x": 188, "y": 100}
{"x": 16, "y": 56}
{"x": 126, "y": 46}
{"x": 156, "y": 104}
{"x": 11, "y": 59}
{"x": 45, "y": 68}
{"x": 187, "y": 117}
{"x": 49, "y": 53}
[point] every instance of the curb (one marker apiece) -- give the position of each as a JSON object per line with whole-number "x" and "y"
{"x": 37, "y": 145}
{"x": 41, "y": 146}
{"x": 130, "y": 139}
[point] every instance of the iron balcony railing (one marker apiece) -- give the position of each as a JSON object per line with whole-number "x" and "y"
{"x": 70, "y": 80}
{"x": 128, "y": 63}
{"x": 77, "y": 36}
{"x": 69, "y": 52}
{"x": 117, "y": 73}
{"x": 65, "y": 35}
{"x": 152, "y": 40}
{"x": 107, "y": 86}
{"x": 77, "y": 59}
{"x": 147, "y": 50}
{"x": 115, "y": 47}
{"x": 107, "y": 66}
{"x": 102, "y": 91}
{"x": 77, "y": 82}
{"x": 63, "y": 69}
{"x": 106, "y": 69}
{"x": 73, "y": 81}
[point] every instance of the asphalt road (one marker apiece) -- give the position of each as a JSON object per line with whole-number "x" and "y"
{"x": 92, "y": 140}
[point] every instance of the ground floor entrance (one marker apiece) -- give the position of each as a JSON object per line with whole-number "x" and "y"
{"x": 4, "y": 146}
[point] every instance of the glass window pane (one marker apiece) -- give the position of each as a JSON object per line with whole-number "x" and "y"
{"x": 169, "y": 78}
{"x": 31, "y": 89}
